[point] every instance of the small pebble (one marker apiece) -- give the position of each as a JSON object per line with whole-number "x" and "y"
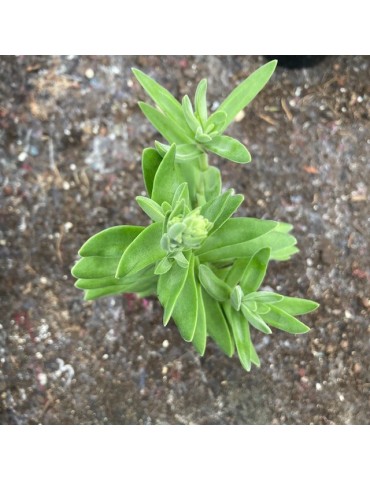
{"x": 348, "y": 314}
{"x": 43, "y": 280}
{"x": 357, "y": 368}
{"x": 66, "y": 185}
{"x": 68, "y": 226}
{"x": 239, "y": 117}
{"x": 38, "y": 355}
{"x": 34, "y": 151}
{"x": 89, "y": 73}
{"x": 105, "y": 356}
{"x": 165, "y": 344}
{"x": 365, "y": 301}
{"x": 8, "y": 190}
{"x": 42, "y": 378}
{"x": 22, "y": 156}
{"x": 318, "y": 387}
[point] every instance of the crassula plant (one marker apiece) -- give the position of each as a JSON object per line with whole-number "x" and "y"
{"x": 206, "y": 266}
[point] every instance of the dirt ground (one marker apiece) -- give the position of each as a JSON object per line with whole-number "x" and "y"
{"x": 71, "y": 136}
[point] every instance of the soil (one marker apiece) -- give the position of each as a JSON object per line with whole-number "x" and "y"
{"x": 70, "y": 144}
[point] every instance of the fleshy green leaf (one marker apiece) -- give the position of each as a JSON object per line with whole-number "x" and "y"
{"x": 283, "y": 227}
{"x": 236, "y": 297}
{"x": 181, "y": 260}
{"x": 219, "y": 209}
{"x": 217, "y": 326}
{"x": 163, "y": 98}
{"x": 103, "y": 292}
{"x": 163, "y": 266}
{"x": 262, "y": 308}
{"x": 184, "y": 152}
{"x": 188, "y": 112}
{"x": 201, "y": 137}
{"x": 271, "y": 239}
{"x": 190, "y": 175}
{"x": 95, "y": 267}
{"x": 170, "y": 130}
{"x": 110, "y": 242}
{"x": 241, "y": 334}
{"x": 214, "y": 286}
{"x": 151, "y": 208}
{"x": 200, "y": 101}
{"x": 245, "y": 92}
{"x": 166, "y": 207}
{"x": 236, "y": 271}
{"x": 170, "y": 285}
{"x": 212, "y": 183}
{"x": 255, "y": 320}
{"x": 147, "y": 285}
{"x": 218, "y": 120}
{"x": 254, "y": 356}
{"x": 185, "y": 311}
{"x": 264, "y": 297}
{"x": 143, "y": 251}
{"x": 252, "y": 305}
{"x": 167, "y": 178}
{"x": 181, "y": 193}
{"x": 230, "y": 207}
{"x": 229, "y": 148}
{"x": 284, "y": 254}
{"x": 297, "y": 306}
{"x": 284, "y": 321}
{"x": 200, "y": 335}
{"x": 255, "y": 271}
{"x": 212, "y": 209}
{"x": 179, "y": 209}
{"x": 235, "y": 231}
{"x": 150, "y": 162}
{"x": 145, "y": 277}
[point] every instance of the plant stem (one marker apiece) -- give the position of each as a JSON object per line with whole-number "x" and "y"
{"x": 203, "y": 162}
{"x": 200, "y": 189}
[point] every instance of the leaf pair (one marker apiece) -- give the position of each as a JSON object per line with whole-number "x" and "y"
{"x": 242, "y": 237}
{"x": 101, "y": 255}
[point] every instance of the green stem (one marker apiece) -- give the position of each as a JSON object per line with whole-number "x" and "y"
{"x": 200, "y": 189}
{"x": 203, "y": 162}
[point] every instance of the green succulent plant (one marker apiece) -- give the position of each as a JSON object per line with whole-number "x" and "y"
{"x": 206, "y": 267}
